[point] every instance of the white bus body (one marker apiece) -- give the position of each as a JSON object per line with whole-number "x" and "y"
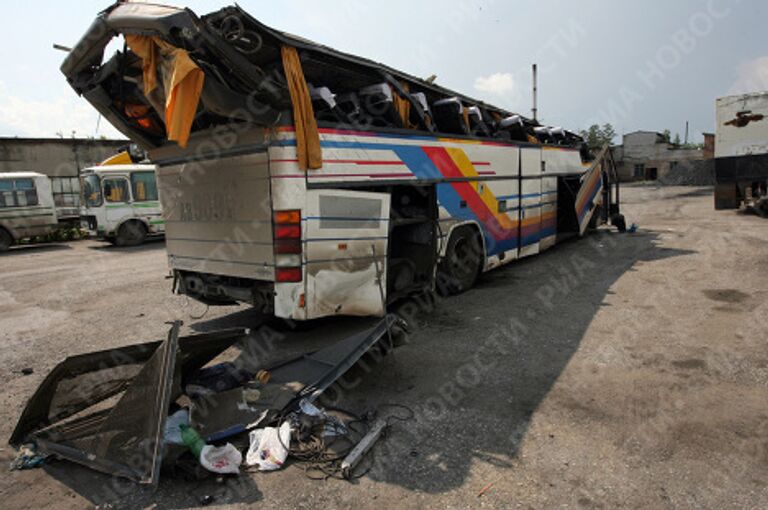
{"x": 26, "y": 207}
{"x": 121, "y": 203}
{"x": 229, "y": 230}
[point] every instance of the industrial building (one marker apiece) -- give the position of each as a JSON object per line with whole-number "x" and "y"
{"x": 649, "y": 156}
{"x": 61, "y": 159}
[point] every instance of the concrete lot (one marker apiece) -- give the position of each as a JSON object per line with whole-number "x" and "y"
{"x": 619, "y": 371}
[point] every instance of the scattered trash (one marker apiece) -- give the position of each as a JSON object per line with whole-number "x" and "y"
{"x": 27, "y": 458}
{"x": 269, "y": 447}
{"x": 192, "y": 440}
{"x": 95, "y": 408}
{"x": 333, "y": 426}
{"x": 484, "y": 490}
{"x": 70, "y": 414}
{"x": 206, "y": 500}
{"x": 224, "y": 460}
{"x": 27, "y": 371}
{"x": 173, "y": 426}
{"x": 632, "y": 228}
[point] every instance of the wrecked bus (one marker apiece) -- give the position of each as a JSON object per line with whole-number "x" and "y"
{"x": 309, "y": 182}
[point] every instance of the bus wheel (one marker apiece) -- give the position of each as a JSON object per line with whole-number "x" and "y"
{"x": 462, "y": 263}
{"x": 131, "y": 233}
{"x": 5, "y": 240}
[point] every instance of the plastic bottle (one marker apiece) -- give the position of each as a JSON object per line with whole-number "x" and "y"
{"x": 192, "y": 440}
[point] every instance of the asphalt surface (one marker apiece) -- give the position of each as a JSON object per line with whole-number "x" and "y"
{"x": 616, "y": 371}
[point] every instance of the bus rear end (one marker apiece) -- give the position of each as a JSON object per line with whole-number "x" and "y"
{"x": 217, "y": 203}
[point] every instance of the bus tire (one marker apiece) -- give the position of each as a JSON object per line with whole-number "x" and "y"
{"x": 131, "y": 233}
{"x": 6, "y": 240}
{"x": 459, "y": 269}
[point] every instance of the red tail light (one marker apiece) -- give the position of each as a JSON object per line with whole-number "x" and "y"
{"x": 287, "y": 246}
{"x": 288, "y": 274}
{"x": 287, "y": 231}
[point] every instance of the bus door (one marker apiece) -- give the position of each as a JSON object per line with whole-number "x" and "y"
{"x": 146, "y": 202}
{"x": 530, "y": 201}
{"x": 117, "y": 202}
{"x": 345, "y": 252}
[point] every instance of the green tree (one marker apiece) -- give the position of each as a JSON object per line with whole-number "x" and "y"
{"x": 677, "y": 139}
{"x": 597, "y": 136}
{"x": 667, "y": 135}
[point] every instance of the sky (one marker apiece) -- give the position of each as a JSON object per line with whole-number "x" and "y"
{"x": 640, "y": 65}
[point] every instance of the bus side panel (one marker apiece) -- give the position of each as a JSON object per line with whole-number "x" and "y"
{"x": 548, "y": 212}
{"x": 218, "y": 216}
{"x": 493, "y": 205}
{"x": 26, "y": 221}
{"x": 530, "y": 205}
{"x": 346, "y": 241}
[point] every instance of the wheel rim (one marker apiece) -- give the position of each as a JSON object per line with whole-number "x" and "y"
{"x": 462, "y": 259}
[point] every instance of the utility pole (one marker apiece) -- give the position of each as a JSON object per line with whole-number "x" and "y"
{"x": 686, "y": 132}
{"x": 535, "y": 92}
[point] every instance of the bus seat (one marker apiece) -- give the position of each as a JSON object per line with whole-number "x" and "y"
{"x": 558, "y": 135}
{"x": 512, "y": 128}
{"x": 349, "y": 105}
{"x": 449, "y": 116}
{"x": 378, "y": 103}
{"x": 421, "y": 99}
{"x": 325, "y": 105}
{"x": 477, "y": 124}
{"x": 543, "y": 134}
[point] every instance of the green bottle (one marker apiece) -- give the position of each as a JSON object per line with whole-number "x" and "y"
{"x": 192, "y": 440}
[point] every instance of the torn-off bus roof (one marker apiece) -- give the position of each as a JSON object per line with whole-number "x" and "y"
{"x": 243, "y": 72}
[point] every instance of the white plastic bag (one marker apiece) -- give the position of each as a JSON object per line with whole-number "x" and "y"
{"x": 224, "y": 460}
{"x": 269, "y": 447}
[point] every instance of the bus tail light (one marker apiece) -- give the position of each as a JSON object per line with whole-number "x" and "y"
{"x": 288, "y": 246}
{"x": 288, "y": 274}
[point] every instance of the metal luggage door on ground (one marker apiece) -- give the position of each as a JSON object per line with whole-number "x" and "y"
{"x": 530, "y": 201}
{"x": 346, "y": 244}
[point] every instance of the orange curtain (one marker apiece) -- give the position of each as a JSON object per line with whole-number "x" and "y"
{"x": 402, "y": 105}
{"x": 182, "y": 90}
{"x": 308, "y": 148}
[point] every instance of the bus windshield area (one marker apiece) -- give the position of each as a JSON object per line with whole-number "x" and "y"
{"x": 92, "y": 191}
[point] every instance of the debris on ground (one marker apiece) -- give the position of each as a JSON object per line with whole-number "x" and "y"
{"x": 269, "y": 447}
{"x": 93, "y": 409}
{"x": 28, "y": 458}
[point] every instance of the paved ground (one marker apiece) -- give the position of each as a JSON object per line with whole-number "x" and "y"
{"x": 620, "y": 371}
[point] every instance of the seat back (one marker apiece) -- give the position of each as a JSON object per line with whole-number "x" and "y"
{"x": 379, "y": 105}
{"x": 477, "y": 124}
{"x": 449, "y": 116}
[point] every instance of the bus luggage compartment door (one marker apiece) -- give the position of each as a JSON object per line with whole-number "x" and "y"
{"x": 590, "y": 195}
{"x": 346, "y": 252}
{"x": 530, "y": 201}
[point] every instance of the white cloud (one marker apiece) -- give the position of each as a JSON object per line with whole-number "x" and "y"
{"x": 499, "y": 83}
{"x": 24, "y": 117}
{"x": 753, "y": 77}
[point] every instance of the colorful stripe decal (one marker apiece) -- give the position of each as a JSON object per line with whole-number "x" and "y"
{"x": 463, "y": 200}
{"x": 590, "y": 189}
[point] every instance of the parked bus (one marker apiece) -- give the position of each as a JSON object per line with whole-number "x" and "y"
{"x": 26, "y": 207}
{"x": 312, "y": 183}
{"x": 121, "y": 204}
